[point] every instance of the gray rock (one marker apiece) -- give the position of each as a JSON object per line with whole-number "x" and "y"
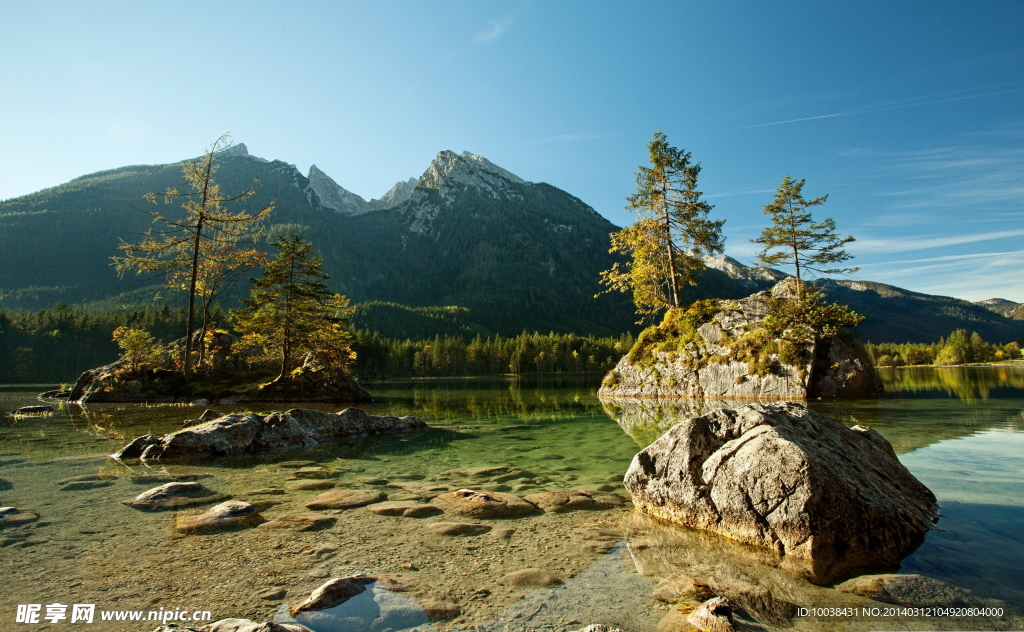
{"x": 714, "y": 614}
{"x": 80, "y": 485}
{"x": 171, "y": 490}
{"x": 272, "y": 594}
{"x": 344, "y": 499}
{"x": 313, "y": 472}
{"x": 575, "y": 500}
{"x": 12, "y": 517}
{"x": 177, "y": 495}
{"x": 249, "y": 433}
{"x": 833, "y": 501}
{"x": 244, "y": 625}
{"x": 310, "y": 485}
{"x": 231, "y": 514}
{"x": 476, "y": 504}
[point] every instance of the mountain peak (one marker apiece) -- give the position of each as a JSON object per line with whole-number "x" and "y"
{"x": 448, "y": 169}
{"x": 238, "y": 149}
{"x": 334, "y": 196}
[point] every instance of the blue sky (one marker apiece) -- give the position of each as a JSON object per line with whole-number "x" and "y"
{"x": 909, "y": 115}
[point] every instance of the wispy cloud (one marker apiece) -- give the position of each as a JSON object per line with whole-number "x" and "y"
{"x": 884, "y": 109}
{"x": 984, "y": 180}
{"x": 747, "y": 190}
{"x": 495, "y": 30}
{"x": 973, "y": 277}
{"x": 904, "y": 244}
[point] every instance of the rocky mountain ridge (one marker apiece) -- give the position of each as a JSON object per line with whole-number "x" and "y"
{"x": 518, "y": 255}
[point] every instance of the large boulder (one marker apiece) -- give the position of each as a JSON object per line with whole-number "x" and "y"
{"x": 708, "y": 363}
{"x": 830, "y": 500}
{"x": 251, "y": 433}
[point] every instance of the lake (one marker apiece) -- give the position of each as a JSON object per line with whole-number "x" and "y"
{"x": 959, "y": 430}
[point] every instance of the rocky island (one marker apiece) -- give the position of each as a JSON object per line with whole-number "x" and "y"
{"x": 229, "y": 377}
{"x": 728, "y": 349}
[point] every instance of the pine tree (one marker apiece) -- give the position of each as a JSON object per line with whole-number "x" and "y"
{"x": 291, "y": 312}
{"x": 795, "y": 238}
{"x": 201, "y": 252}
{"x": 667, "y": 243}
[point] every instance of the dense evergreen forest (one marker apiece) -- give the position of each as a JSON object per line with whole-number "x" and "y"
{"x": 59, "y": 343}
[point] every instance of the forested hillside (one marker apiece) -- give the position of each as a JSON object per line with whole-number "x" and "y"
{"x": 467, "y": 249}
{"x": 516, "y": 255}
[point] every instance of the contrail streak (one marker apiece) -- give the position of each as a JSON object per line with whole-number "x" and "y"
{"x": 893, "y": 107}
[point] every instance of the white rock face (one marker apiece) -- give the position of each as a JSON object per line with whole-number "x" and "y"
{"x": 737, "y": 270}
{"x": 396, "y": 195}
{"x": 335, "y": 197}
{"x": 339, "y": 199}
{"x": 450, "y": 169}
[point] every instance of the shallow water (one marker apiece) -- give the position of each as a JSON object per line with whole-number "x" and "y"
{"x": 958, "y": 430}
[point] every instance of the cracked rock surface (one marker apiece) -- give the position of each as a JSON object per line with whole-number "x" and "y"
{"x": 831, "y": 501}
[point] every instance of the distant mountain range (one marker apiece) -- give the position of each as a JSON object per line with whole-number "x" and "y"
{"x": 511, "y": 254}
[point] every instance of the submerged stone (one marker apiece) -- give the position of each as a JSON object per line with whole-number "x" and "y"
{"x": 477, "y": 504}
{"x": 231, "y": 514}
{"x": 575, "y": 500}
{"x": 344, "y": 499}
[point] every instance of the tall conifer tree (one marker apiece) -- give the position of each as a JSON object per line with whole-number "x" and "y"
{"x": 291, "y": 311}
{"x": 795, "y": 238}
{"x": 671, "y": 235}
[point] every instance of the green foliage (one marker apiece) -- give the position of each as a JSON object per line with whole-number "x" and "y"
{"x": 671, "y": 234}
{"x": 291, "y": 312}
{"x": 198, "y": 253}
{"x": 677, "y": 329}
{"x": 808, "y": 316}
{"x": 795, "y": 238}
{"x": 393, "y": 320}
{"x": 141, "y": 350}
{"x": 790, "y": 330}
